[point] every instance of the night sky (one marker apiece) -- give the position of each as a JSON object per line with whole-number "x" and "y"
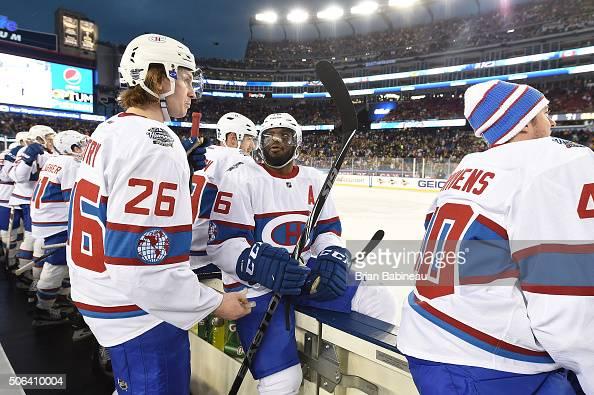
{"x": 213, "y": 28}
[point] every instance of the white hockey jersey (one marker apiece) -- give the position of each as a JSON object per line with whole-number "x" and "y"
{"x": 204, "y": 191}
{"x": 255, "y": 204}
{"x": 25, "y": 177}
{"x": 6, "y": 183}
{"x": 519, "y": 297}
{"x": 49, "y": 204}
{"x": 130, "y": 233}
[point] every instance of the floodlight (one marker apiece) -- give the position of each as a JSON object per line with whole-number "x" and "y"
{"x": 364, "y": 8}
{"x": 297, "y": 16}
{"x": 331, "y": 13}
{"x": 267, "y": 17}
{"x": 402, "y": 3}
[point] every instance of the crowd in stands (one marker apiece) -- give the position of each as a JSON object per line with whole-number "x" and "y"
{"x": 507, "y": 24}
{"x": 390, "y": 151}
{"x": 565, "y": 97}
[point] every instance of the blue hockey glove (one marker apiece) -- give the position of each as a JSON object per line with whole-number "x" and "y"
{"x": 329, "y": 272}
{"x": 196, "y": 152}
{"x": 31, "y": 153}
{"x": 11, "y": 155}
{"x": 271, "y": 267}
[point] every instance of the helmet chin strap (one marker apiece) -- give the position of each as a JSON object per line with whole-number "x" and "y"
{"x": 163, "y": 104}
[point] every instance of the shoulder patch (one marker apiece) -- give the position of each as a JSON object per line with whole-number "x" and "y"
{"x": 153, "y": 246}
{"x": 567, "y": 143}
{"x": 160, "y": 137}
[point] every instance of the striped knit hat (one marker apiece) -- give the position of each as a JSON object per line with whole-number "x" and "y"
{"x": 499, "y": 110}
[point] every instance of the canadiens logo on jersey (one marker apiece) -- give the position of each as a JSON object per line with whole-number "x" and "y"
{"x": 160, "y": 137}
{"x": 282, "y": 230}
{"x": 153, "y": 246}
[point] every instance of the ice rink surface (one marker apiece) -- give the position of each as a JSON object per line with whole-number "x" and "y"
{"x": 400, "y": 213}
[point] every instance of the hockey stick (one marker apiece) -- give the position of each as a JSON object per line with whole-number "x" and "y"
{"x": 195, "y": 131}
{"x": 10, "y": 226}
{"x": 339, "y": 93}
{"x": 29, "y": 265}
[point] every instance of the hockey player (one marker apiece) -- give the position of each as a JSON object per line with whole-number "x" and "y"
{"x": 256, "y": 220}
{"x": 6, "y": 189}
{"x": 130, "y": 227}
{"x": 25, "y": 173}
{"x": 520, "y": 305}
{"x": 205, "y": 181}
{"x": 49, "y": 218}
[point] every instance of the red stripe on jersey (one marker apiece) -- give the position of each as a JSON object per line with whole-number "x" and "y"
{"x": 105, "y": 309}
{"x": 234, "y": 224}
{"x": 276, "y": 174}
{"x": 553, "y": 248}
{"x": 476, "y": 333}
{"x": 140, "y": 229}
{"x": 329, "y": 220}
{"x": 137, "y": 262}
{"x": 494, "y": 226}
{"x": 279, "y": 213}
{"x": 558, "y": 290}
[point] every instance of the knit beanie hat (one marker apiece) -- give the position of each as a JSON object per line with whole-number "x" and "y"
{"x": 498, "y": 110}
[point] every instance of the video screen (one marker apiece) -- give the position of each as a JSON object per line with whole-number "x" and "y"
{"x": 37, "y": 83}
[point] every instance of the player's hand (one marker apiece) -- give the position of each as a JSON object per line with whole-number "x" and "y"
{"x": 329, "y": 272}
{"x": 196, "y": 152}
{"x": 31, "y": 153}
{"x": 271, "y": 267}
{"x": 234, "y": 306}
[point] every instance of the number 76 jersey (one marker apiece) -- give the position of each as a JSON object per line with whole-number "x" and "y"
{"x": 505, "y": 279}
{"x": 130, "y": 233}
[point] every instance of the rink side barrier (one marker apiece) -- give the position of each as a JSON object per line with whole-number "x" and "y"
{"x": 337, "y": 351}
{"x": 391, "y": 182}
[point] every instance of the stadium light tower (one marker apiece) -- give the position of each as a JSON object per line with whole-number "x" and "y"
{"x": 365, "y": 8}
{"x": 267, "y": 17}
{"x": 297, "y": 15}
{"x": 331, "y": 13}
{"x": 401, "y": 3}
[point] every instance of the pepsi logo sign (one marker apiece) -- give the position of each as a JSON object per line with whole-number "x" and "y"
{"x": 72, "y": 76}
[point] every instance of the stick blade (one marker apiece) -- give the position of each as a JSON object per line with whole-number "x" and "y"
{"x": 340, "y": 95}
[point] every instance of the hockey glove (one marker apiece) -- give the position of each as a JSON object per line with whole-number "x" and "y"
{"x": 11, "y": 155}
{"x": 331, "y": 268}
{"x": 31, "y": 153}
{"x": 271, "y": 267}
{"x": 196, "y": 152}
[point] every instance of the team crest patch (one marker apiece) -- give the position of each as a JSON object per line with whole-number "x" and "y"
{"x": 212, "y": 231}
{"x": 153, "y": 246}
{"x": 160, "y": 137}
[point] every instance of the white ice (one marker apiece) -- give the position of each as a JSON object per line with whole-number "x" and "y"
{"x": 400, "y": 213}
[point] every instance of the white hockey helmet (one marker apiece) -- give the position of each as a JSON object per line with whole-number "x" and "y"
{"x": 233, "y": 122}
{"x": 21, "y": 138}
{"x": 149, "y": 49}
{"x": 65, "y": 141}
{"x": 40, "y": 134}
{"x": 281, "y": 120}
{"x": 13, "y": 145}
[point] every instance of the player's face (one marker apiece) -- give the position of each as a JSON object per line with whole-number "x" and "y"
{"x": 179, "y": 103}
{"x": 49, "y": 142}
{"x": 278, "y": 145}
{"x": 231, "y": 140}
{"x": 541, "y": 125}
{"x": 248, "y": 144}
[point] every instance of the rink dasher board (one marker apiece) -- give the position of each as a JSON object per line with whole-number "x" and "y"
{"x": 388, "y": 182}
